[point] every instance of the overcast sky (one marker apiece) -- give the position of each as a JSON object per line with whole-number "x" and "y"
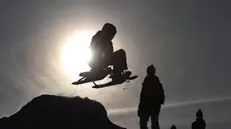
{"x": 187, "y": 41}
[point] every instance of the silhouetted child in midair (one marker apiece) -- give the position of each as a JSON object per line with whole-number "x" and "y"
{"x": 151, "y": 98}
{"x": 103, "y": 54}
{"x": 200, "y": 122}
{"x": 102, "y": 47}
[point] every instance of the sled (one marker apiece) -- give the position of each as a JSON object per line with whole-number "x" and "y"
{"x": 93, "y": 76}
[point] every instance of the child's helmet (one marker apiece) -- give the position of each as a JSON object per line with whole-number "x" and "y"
{"x": 109, "y": 30}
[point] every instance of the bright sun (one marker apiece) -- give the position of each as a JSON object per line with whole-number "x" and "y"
{"x": 76, "y": 53}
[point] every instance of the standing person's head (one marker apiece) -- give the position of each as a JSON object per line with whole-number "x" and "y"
{"x": 199, "y": 114}
{"x": 173, "y": 127}
{"x": 109, "y": 31}
{"x": 151, "y": 70}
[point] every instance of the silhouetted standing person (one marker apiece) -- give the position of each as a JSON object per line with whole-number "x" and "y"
{"x": 151, "y": 98}
{"x": 173, "y": 127}
{"x": 200, "y": 122}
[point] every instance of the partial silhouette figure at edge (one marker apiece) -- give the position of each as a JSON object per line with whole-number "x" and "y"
{"x": 200, "y": 122}
{"x": 151, "y": 99}
{"x": 173, "y": 127}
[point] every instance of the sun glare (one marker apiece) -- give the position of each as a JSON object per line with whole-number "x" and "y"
{"x": 76, "y": 53}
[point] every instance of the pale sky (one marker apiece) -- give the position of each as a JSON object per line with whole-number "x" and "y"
{"x": 188, "y": 42}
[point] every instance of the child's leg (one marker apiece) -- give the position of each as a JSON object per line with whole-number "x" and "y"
{"x": 119, "y": 61}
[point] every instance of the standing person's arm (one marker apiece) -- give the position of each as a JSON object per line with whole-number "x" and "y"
{"x": 163, "y": 95}
{"x": 204, "y": 124}
{"x": 192, "y": 125}
{"x": 141, "y": 97}
{"x": 142, "y": 93}
{"x": 161, "y": 91}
